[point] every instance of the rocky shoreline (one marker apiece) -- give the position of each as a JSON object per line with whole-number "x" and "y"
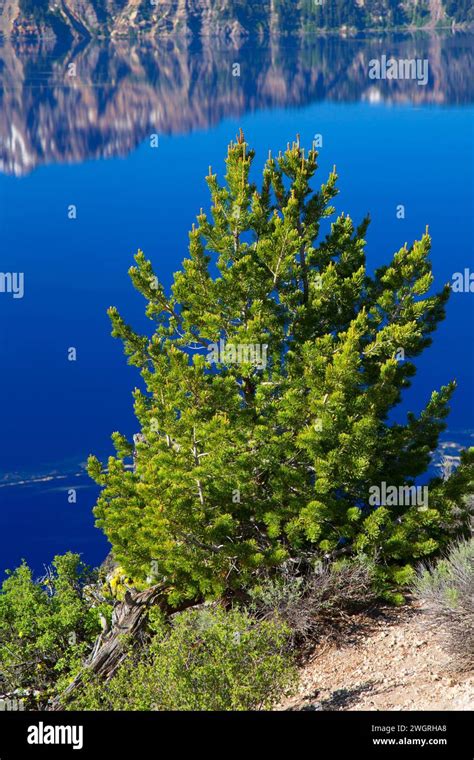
{"x": 109, "y": 19}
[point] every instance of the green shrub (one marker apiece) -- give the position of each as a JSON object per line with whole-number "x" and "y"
{"x": 46, "y": 626}
{"x": 206, "y": 659}
{"x": 447, "y": 593}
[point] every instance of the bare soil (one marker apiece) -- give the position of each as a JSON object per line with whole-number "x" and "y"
{"x": 392, "y": 661}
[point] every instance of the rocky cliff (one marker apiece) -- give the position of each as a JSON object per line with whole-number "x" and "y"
{"x": 233, "y": 18}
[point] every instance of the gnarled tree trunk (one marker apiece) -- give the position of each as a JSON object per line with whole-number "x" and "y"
{"x": 128, "y": 621}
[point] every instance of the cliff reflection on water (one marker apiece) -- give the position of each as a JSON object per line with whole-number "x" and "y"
{"x": 99, "y": 100}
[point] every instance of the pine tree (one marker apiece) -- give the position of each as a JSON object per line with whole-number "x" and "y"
{"x": 241, "y": 464}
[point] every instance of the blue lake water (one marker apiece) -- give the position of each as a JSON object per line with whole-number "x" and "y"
{"x": 86, "y": 141}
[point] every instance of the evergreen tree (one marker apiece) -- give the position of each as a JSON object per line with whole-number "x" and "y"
{"x": 461, "y": 11}
{"x": 269, "y": 377}
{"x": 332, "y": 15}
{"x": 36, "y": 8}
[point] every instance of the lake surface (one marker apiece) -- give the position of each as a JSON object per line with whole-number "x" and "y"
{"x": 75, "y": 129}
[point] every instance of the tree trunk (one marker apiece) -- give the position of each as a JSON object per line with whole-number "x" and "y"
{"x": 128, "y": 620}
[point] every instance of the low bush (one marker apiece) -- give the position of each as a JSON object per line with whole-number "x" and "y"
{"x": 205, "y": 659}
{"x": 47, "y": 627}
{"x": 447, "y": 593}
{"x": 317, "y": 603}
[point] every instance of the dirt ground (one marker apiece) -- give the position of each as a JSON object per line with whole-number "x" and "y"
{"x": 394, "y": 663}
